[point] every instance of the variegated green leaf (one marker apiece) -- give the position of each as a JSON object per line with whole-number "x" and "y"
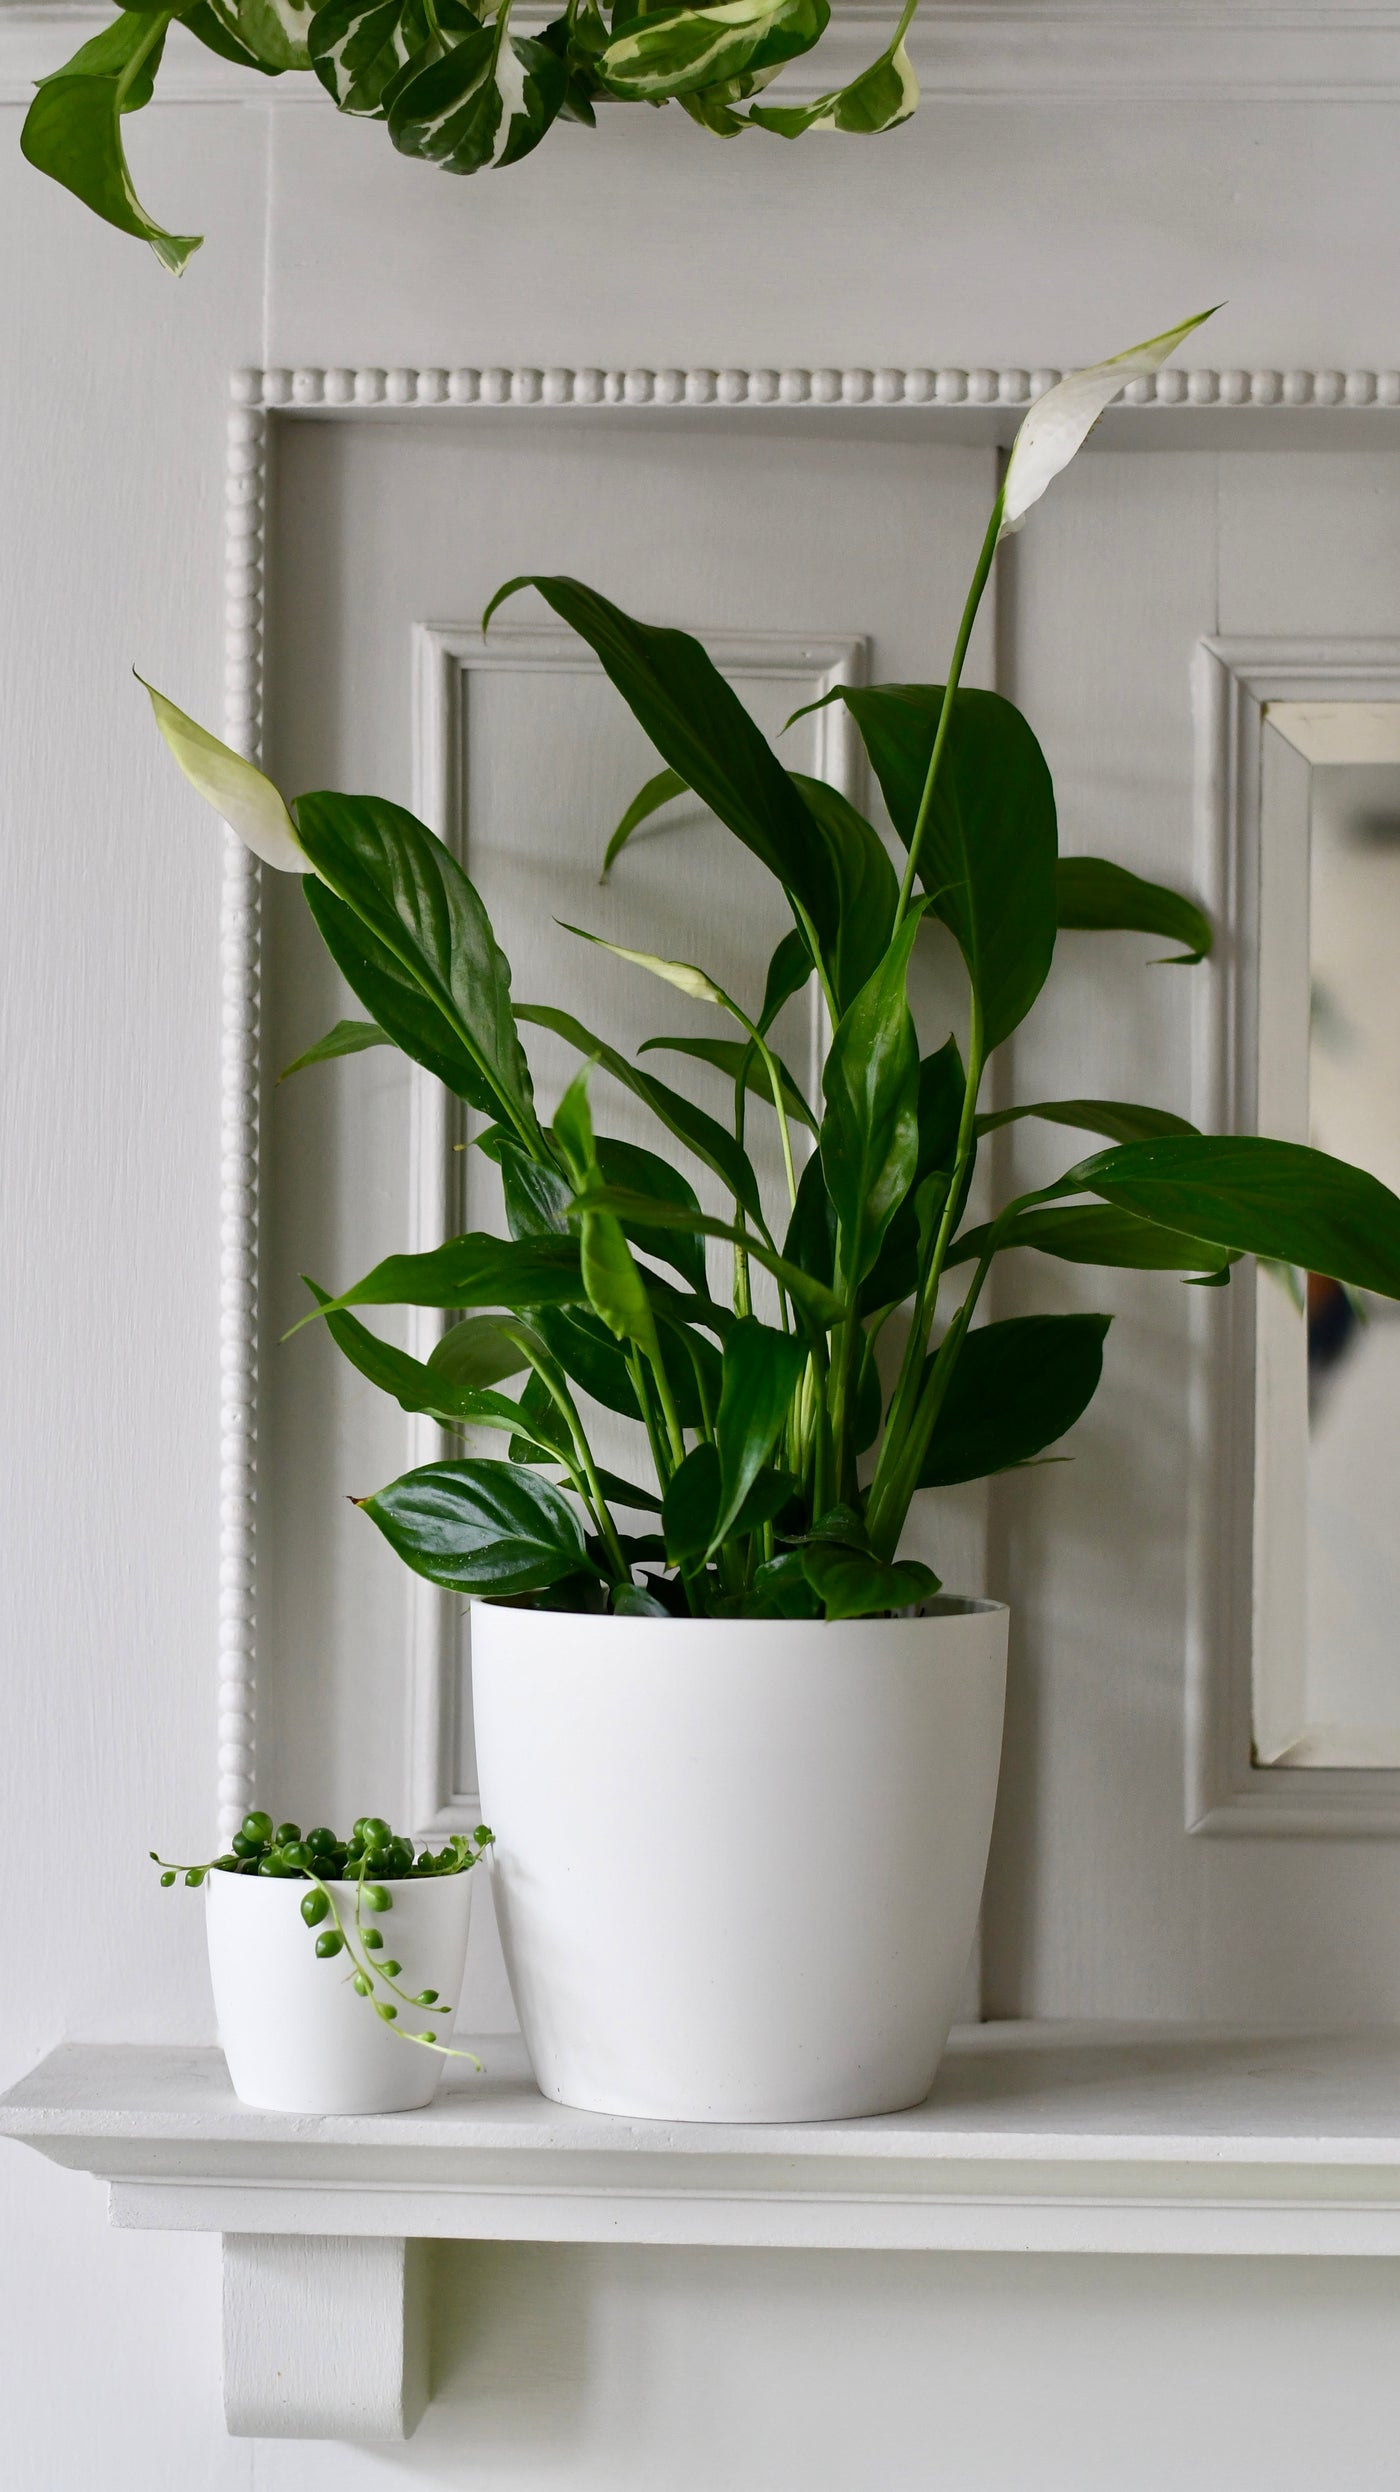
{"x": 358, "y": 46}
{"x": 879, "y": 99}
{"x": 487, "y": 101}
{"x": 72, "y": 130}
{"x": 681, "y": 51}
{"x": 274, "y": 31}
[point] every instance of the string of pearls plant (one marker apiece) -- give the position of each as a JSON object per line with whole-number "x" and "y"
{"x": 371, "y": 1857}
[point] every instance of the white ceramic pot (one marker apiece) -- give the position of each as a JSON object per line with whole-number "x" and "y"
{"x": 294, "y": 2033}
{"x": 738, "y": 1865}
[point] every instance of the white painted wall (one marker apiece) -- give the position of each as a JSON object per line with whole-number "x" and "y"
{"x": 996, "y": 229}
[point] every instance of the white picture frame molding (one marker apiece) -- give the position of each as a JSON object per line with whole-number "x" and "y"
{"x": 1248, "y": 1520}
{"x": 1223, "y": 1794}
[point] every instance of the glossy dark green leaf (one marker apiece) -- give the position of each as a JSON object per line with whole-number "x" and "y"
{"x": 646, "y": 1174}
{"x": 492, "y": 1528}
{"x": 690, "y": 1508}
{"x": 72, "y": 132}
{"x": 435, "y": 1391}
{"x": 1017, "y": 1387}
{"x": 709, "y": 1141}
{"x": 988, "y": 855}
{"x": 1118, "y": 1118}
{"x": 409, "y": 893}
{"x": 737, "y": 1059}
{"x": 1098, "y": 1233}
{"x": 630, "y": 1601}
{"x": 810, "y": 1242}
{"x": 590, "y": 1357}
{"x": 410, "y": 1019}
{"x": 679, "y": 51}
{"x": 788, "y": 972}
{"x": 942, "y": 1085}
{"x": 780, "y": 1589}
{"x": 850, "y": 1583}
{"x": 477, "y": 1352}
{"x": 1095, "y": 895}
{"x": 474, "y": 1271}
{"x": 616, "y": 1289}
{"x": 536, "y": 1195}
{"x": 348, "y": 1038}
{"x": 819, "y": 1304}
{"x": 870, "y": 1130}
{"x": 1259, "y": 1197}
{"x": 867, "y": 887}
{"x": 761, "y": 1373}
{"x": 661, "y": 789}
{"x": 701, "y": 728}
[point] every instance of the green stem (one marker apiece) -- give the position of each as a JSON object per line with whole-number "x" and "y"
{"x": 980, "y": 578}
{"x": 583, "y": 1472}
{"x": 904, "y": 1404}
{"x": 155, "y": 29}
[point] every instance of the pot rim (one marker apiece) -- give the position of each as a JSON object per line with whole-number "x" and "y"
{"x": 940, "y": 1605}
{"x": 342, "y": 1886}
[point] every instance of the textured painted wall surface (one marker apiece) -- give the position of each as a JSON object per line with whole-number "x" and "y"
{"x": 987, "y": 232}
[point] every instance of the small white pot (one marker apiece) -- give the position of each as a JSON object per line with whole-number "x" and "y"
{"x": 738, "y": 1865}
{"x": 295, "y": 2034}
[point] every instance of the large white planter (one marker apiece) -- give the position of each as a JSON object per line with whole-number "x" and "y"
{"x": 738, "y": 1865}
{"x": 294, "y": 2033}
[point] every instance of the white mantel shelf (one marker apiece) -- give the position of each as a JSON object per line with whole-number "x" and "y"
{"x": 1035, "y": 2138}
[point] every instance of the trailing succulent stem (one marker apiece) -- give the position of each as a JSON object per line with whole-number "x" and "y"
{"x": 780, "y": 1471}
{"x": 371, "y": 1861}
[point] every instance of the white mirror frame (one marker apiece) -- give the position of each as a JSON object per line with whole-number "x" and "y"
{"x": 1222, "y": 1791}
{"x": 1250, "y": 1443}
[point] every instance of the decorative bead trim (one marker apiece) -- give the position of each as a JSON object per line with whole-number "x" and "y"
{"x": 245, "y": 514}
{"x": 558, "y": 385}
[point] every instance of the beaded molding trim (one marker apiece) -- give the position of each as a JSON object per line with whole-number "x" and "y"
{"x": 257, "y": 392}
{"x": 558, "y": 385}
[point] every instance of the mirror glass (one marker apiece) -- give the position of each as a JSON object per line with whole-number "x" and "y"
{"x": 1332, "y": 855}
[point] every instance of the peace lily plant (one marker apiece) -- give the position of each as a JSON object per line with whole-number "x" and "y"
{"x": 459, "y": 85}
{"x": 784, "y": 1463}
{"x": 685, "y": 1684}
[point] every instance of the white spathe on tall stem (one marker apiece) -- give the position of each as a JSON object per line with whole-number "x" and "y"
{"x": 248, "y": 802}
{"x": 1060, "y": 423}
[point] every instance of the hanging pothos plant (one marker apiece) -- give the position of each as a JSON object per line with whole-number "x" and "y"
{"x": 785, "y": 1452}
{"x": 459, "y": 85}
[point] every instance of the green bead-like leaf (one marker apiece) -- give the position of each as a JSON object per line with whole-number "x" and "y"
{"x": 314, "y": 1907}
{"x": 491, "y": 1528}
{"x": 1017, "y": 1387}
{"x": 329, "y": 1943}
